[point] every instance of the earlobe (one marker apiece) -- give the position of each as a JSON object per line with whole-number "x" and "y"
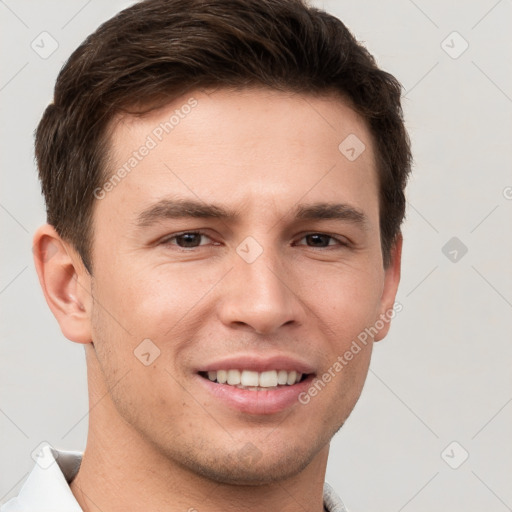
{"x": 65, "y": 282}
{"x": 391, "y": 281}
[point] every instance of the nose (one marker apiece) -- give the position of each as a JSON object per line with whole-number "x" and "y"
{"x": 259, "y": 296}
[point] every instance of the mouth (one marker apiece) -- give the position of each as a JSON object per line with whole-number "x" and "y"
{"x": 257, "y": 387}
{"x": 253, "y": 380}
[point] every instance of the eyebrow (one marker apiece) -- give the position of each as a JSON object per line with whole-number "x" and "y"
{"x": 187, "y": 208}
{"x": 334, "y": 211}
{"x": 182, "y": 208}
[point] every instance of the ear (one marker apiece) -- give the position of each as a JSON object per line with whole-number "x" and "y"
{"x": 66, "y": 283}
{"x": 388, "y": 308}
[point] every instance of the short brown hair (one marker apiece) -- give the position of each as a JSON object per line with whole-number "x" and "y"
{"x": 164, "y": 48}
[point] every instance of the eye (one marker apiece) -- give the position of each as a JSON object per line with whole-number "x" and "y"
{"x": 186, "y": 240}
{"x": 322, "y": 240}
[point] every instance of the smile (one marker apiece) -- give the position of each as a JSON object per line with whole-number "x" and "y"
{"x": 253, "y": 380}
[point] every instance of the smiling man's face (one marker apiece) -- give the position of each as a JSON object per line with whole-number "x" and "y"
{"x": 244, "y": 244}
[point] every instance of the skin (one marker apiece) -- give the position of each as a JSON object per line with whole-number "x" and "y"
{"x": 158, "y": 440}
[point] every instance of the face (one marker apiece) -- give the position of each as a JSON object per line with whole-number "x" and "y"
{"x": 235, "y": 261}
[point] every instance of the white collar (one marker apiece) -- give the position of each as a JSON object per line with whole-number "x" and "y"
{"x": 47, "y": 486}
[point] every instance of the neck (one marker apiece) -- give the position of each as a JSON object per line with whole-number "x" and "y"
{"x": 121, "y": 471}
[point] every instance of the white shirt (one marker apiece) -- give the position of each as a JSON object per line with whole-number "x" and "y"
{"x": 47, "y": 486}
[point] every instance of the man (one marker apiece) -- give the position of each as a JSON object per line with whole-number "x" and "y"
{"x": 224, "y": 184}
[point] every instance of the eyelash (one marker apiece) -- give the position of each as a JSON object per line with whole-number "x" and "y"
{"x": 167, "y": 241}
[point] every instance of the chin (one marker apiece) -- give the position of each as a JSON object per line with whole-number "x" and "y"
{"x": 239, "y": 471}
{"x": 250, "y": 465}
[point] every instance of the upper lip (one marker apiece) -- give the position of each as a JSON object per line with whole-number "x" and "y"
{"x": 258, "y": 363}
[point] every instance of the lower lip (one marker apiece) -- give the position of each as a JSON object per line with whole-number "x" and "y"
{"x": 269, "y": 401}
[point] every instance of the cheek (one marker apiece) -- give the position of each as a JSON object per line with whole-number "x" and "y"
{"x": 149, "y": 399}
{"x": 144, "y": 391}
{"x": 151, "y": 302}
{"x": 346, "y": 298}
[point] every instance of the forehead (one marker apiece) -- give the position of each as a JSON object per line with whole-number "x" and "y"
{"x": 254, "y": 146}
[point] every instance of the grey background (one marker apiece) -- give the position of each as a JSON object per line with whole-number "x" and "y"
{"x": 442, "y": 375}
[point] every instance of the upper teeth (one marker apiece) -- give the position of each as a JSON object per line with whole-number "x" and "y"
{"x": 251, "y": 379}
